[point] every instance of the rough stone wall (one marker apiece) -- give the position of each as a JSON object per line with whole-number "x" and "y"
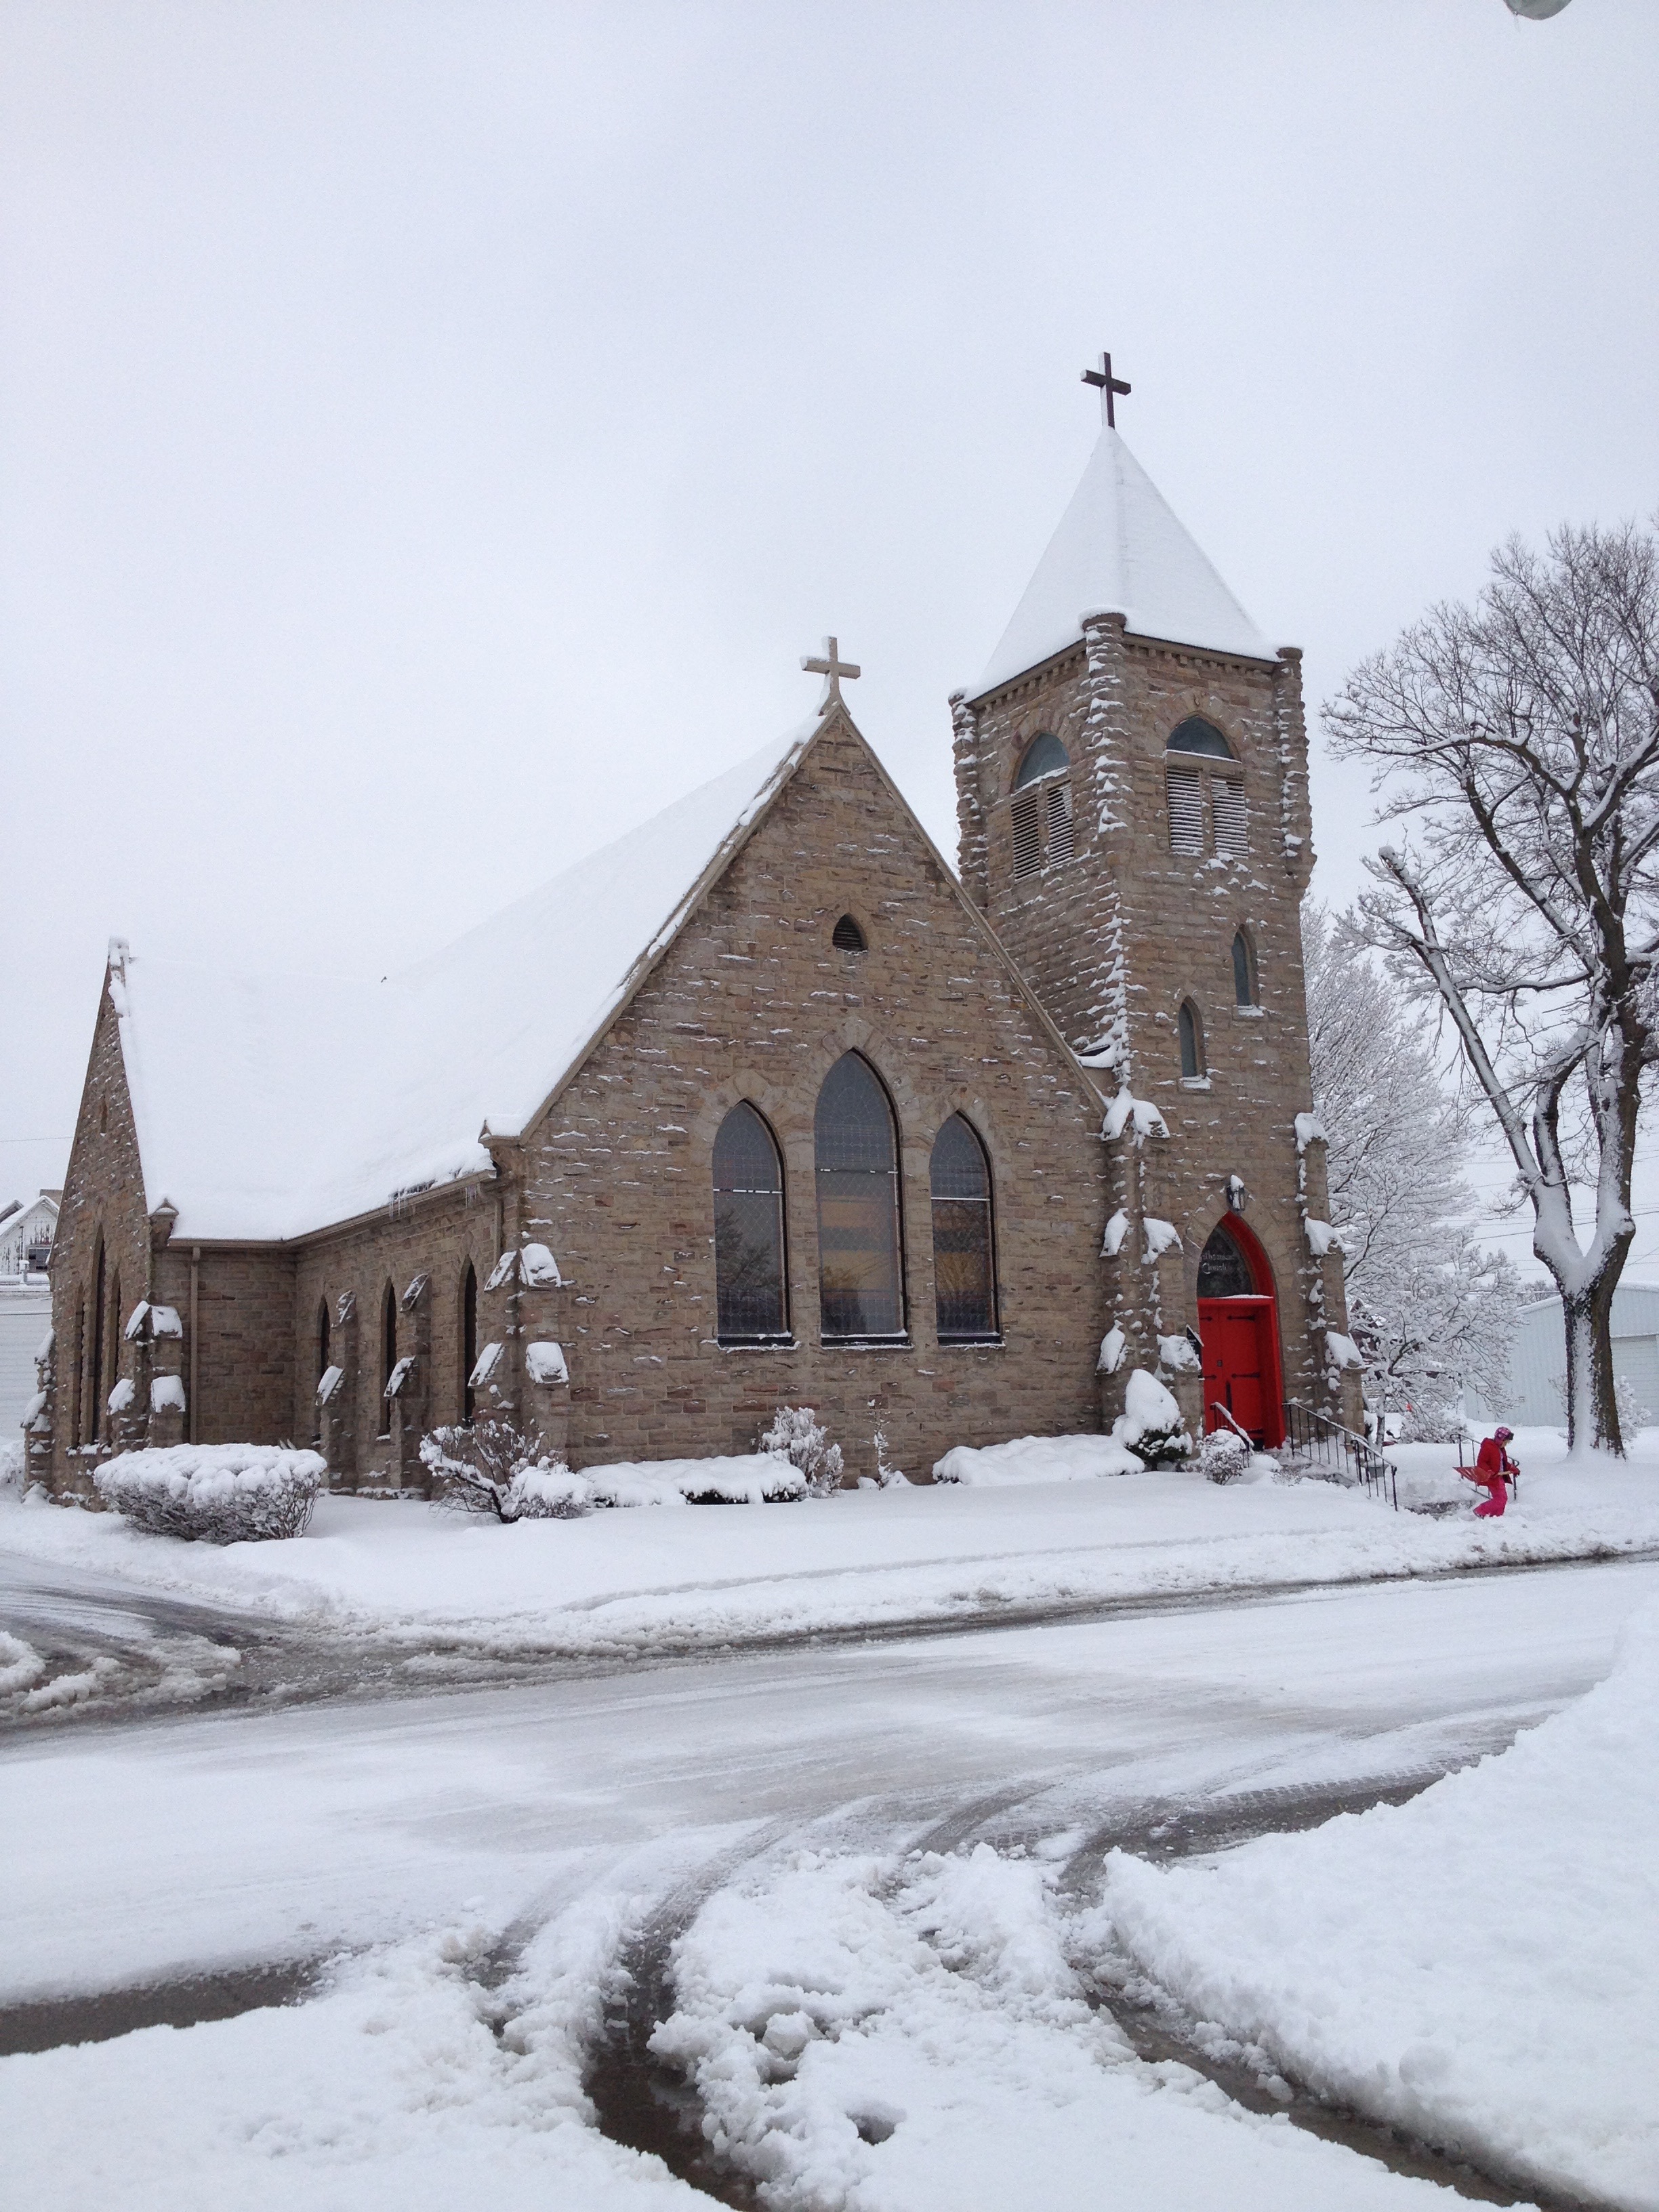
{"x": 103, "y": 1198}
{"x": 435, "y": 1236}
{"x": 754, "y": 1002}
{"x": 1115, "y": 940}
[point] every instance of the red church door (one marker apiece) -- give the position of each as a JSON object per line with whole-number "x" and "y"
{"x": 1241, "y": 1365}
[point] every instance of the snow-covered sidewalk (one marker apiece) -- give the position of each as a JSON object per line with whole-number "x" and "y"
{"x": 653, "y": 1579}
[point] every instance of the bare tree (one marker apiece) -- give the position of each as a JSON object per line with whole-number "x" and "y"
{"x": 1520, "y": 737}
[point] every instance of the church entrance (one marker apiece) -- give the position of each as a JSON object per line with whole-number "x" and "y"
{"x": 1238, "y": 1327}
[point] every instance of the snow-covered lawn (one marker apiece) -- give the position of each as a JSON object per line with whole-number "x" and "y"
{"x": 653, "y": 1578}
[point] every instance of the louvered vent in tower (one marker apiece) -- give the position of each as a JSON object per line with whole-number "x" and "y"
{"x": 1027, "y": 833}
{"x": 1232, "y": 828}
{"x": 1186, "y": 811}
{"x": 1059, "y": 798}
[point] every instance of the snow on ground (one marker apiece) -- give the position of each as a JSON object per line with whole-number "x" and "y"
{"x": 1479, "y": 1966}
{"x": 617, "y": 1583}
{"x": 905, "y": 2034}
{"x": 392, "y": 2093}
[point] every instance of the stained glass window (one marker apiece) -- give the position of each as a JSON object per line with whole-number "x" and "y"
{"x": 748, "y": 1272}
{"x": 964, "y": 1274}
{"x": 1222, "y": 1270}
{"x": 856, "y": 1155}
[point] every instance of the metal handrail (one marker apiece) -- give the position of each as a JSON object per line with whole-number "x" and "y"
{"x": 1350, "y": 1457}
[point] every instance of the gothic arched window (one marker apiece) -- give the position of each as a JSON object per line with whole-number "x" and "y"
{"x": 468, "y": 1344}
{"x": 1041, "y": 820}
{"x": 1243, "y": 971}
{"x": 95, "y": 1365}
{"x": 1191, "y": 1031}
{"x": 1195, "y": 735}
{"x": 748, "y": 1272}
{"x": 1224, "y": 1268}
{"x": 847, "y": 937}
{"x": 322, "y": 1338}
{"x": 388, "y": 1353}
{"x": 1044, "y": 755}
{"x": 964, "y": 1266}
{"x": 855, "y": 1152}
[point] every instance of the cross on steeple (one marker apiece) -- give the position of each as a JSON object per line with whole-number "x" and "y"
{"x": 832, "y": 667}
{"x": 1109, "y": 383}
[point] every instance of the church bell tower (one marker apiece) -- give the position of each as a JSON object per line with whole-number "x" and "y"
{"x": 1132, "y": 795}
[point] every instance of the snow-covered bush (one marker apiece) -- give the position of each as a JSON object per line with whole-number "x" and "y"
{"x": 214, "y": 1493}
{"x": 12, "y": 1463}
{"x": 799, "y": 1436}
{"x": 495, "y": 1468}
{"x": 1151, "y": 1423}
{"x": 740, "y": 1479}
{"x": 1222, "y": 1456}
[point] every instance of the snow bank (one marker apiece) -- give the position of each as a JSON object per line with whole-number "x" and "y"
{"x": 900, "y": 2034}
{"x": 214, "y": 1494}
{"x": 1035, "y": 1459}
{"x": 1477, "y": 1967}
{"x": 744, "y": 1479}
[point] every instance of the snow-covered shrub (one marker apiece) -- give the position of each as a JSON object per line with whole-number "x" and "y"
{"x": 1151, "y": 1423}
{"x": 214, "y": 1493}
{"x": 799, "y": 1436}
{"x": 12, "y": 1461}
{"x": 888, "y": 1477}
{"x": 495, "y": 1468}
{"x": 1222, "y": 1456}
{"x": 739, "y": 1479}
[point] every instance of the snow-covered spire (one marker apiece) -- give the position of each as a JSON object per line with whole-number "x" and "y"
{"x": 1120, "y": 550}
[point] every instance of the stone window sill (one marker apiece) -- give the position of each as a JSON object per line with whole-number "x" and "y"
{"x": 866, "y": 1344}
{"x": 972, "y": 1343}
{"x": 1194, "y": 1082}
{"x": 1250, "y": 1013}
{"x": 758, "y": 1343}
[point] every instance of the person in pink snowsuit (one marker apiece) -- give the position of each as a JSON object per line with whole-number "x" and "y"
{"x": 1493, "y": 1463}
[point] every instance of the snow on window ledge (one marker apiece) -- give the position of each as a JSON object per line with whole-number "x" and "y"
{"x": 544, "y": 1363}
{"x": 1194, "y": 1082}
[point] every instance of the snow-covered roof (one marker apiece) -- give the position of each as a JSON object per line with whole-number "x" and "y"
{"x": 1120, "y": 549}
{"x": 267, "y": 1106}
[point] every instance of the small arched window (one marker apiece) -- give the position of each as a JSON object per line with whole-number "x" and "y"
{"x": 1224, "y": 1268}
{"x": 855, "y": 1153}
{"x": 388, "y": 1353}
{"x": 964, "y": 1271}
{"x": 1044, "y": 755}
{"x": 1041, "y": 820}
{"x": 749, "y": 1270}
{"x": 1191, "y": 1031}
{"x": 847, "y": 937}
{"x": 1243, "y": 971}
{"x": 322, "y": 1338}
{"x": 468, "y": 1344}
{"x": 95, "y": 1364}
{"x": 1195, "y": 735}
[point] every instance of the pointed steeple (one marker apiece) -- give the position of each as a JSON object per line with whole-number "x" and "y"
{"x": 1120, "y": 549}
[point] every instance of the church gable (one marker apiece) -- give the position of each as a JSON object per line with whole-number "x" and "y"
{"x": 990, "y": 1325}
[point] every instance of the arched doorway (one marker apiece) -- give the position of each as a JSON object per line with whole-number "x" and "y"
{"x": 1238, "y": 1324}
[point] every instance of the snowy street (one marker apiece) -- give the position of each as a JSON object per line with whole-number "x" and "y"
{"x": 421, "y": 1833}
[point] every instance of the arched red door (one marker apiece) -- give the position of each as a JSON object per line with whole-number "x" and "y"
{"x": 1238, "y": 1323}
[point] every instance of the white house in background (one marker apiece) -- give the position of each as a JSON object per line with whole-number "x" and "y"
{"x": 26, "y": 1235}
{"x": 1538, "y": 1360}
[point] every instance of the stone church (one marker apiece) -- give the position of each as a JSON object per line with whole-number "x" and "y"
{"x": 763, "y": 1105}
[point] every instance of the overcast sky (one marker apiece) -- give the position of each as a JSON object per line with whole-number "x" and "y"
{"x": 430, "y": 435}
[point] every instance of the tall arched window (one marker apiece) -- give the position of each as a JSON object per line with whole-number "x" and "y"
{"x": 469, "y": 1344}
{"x": 1195, "y": 735}
{"x": 1041, "y": 820}
{"x": 749, "y": 1274}
{"x": 964, "y": 1269}
{"x": 322, "y": 1338}
{"x": 1243, "y": 971}
{"x": 855, "y": 1150}
{"x": 95, "y": 1363}
{"x": 1192, "y": 1041}
{"x": 388, "y": 1353}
